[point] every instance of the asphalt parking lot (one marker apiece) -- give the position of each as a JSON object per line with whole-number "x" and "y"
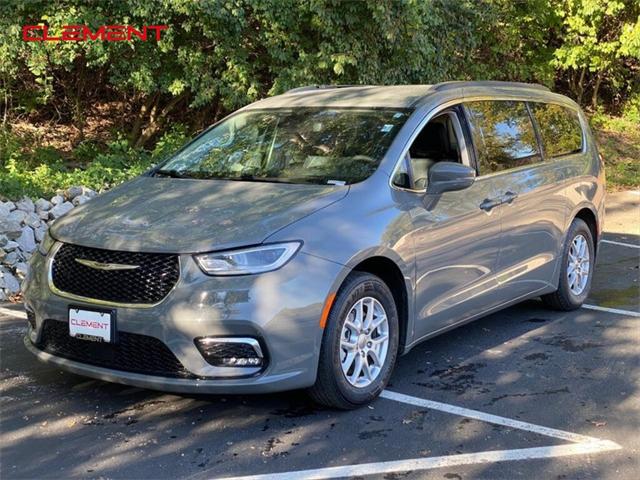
{"x": 524, "y": 393}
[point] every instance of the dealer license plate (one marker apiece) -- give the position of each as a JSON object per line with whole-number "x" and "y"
{"x": 91, "y": 325}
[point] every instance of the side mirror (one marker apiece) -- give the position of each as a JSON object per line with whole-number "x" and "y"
{"x": 449, "y": 177}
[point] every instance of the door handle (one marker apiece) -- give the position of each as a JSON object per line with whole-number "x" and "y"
{"x": 509, "y": 197}
{"x": 490, "y": 203}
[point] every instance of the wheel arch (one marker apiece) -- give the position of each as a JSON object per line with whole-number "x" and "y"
{"x": 391, "y": 274}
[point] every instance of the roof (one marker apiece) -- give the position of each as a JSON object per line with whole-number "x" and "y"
{"x": 376, "y": 96}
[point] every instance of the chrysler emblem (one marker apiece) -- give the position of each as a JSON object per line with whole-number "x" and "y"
{"x": 105, "y": 266}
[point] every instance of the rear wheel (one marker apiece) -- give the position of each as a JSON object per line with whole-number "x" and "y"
{"x": 360, "y": 344}
{"x": 576, "y": 271}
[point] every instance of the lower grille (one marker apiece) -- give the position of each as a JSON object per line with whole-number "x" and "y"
{"x": 132, "y": 352}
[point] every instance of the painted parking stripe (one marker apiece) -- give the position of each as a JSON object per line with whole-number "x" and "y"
{"x": 13, "y": 313}
{"x": 621, "y": 244}
{"x": 429, "y": 463}
{"x": 617, "y": 311}
{"x": 485, "y": 417}
{"x": 581, "y": 445}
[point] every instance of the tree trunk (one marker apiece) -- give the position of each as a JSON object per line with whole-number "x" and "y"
{"x": 156, "y": 121}
{"x": 596, "y": 88}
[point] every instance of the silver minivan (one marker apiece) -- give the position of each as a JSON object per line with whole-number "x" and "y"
{"x": 308, "y": 239}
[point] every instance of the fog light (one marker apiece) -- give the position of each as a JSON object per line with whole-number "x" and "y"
{"x": 231, "y": 351}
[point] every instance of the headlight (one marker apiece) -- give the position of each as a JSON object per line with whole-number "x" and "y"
{"x": 46, "y": 244}
{"x": 248, "y": 260}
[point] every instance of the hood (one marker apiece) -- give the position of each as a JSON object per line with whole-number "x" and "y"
{"x": 152, "y": 214}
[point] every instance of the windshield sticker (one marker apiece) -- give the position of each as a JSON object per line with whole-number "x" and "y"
{"x": 386, "y": 128}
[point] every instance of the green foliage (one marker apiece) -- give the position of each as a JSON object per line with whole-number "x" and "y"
{"x": 219, "y": 55}
{"x": 619, "y": 144}
{"x": 22, "y": 174}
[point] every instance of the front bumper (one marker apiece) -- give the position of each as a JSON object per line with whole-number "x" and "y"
{"x": 282, "y": 309}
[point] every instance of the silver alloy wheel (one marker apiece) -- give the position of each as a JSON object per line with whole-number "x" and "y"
{"x": 578, "y": 266}
{"x": 364, "y": 342}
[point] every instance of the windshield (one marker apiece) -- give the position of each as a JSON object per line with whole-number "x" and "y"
{"x": 302, "y": 145}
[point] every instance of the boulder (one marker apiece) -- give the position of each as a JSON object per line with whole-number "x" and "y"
{"x": 11, "y": 258}
{"x": 27, "y": 240}
{"x": 17, "y": 216}
{"x": 3, "y": 240}
{"x": 11, "y": 284}
{"x": 10, "y": 246}
{"x": 89, "y": 193}
{"x": 22, "y": 269}
{"x": 80, "y": 199}
{"x": 59, "y": 210}
{"x": 73, "y": 192}
{"x": 32, "y": 219}
{"x": 4, "y": 210}
{"x": 39, "y": 232}
{"x": 43, "y": 214}
{"x": 26, "y": 205}
{"x": 10, "y": 228}
{"x": 43, "y": 205}
{"x": 57, "y": 200}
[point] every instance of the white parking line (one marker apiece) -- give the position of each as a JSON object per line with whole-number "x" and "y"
{"x": 622, "y": 244}
{"x": 486, "y": 417}
{"x": 617, "y": 311}
{"x": 582, "y": 445}
{"x": 13, "y": 313}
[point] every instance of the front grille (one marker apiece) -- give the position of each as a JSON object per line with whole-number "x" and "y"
{"x": 132, "y": 352}
{"x": 156, "y": 275}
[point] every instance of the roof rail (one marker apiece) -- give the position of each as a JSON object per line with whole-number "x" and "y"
{"x": 487, "y": 83}
{"x": 307, "y": 88}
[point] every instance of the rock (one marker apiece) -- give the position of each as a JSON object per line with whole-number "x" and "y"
{"x": 80, "y": 199}
{"x": 43, "y": 214}
{"x": 22, "y": 269}
{"x": 57, "y": 200}
{"x": 89, "y": 193}
{"x": 4, "y": 210}
{"x": 3, "y": 296}
{"x": 27, "y": 240}
{"x": 26, "y": 256}
{"x": 3, "y": 254}
{"x": 9, "y": 205}
{"x": 33, "y": 220}
{"x": 26, "y": 205}
{"x": 11, "y": 258}
{"x": 11, "y": 284}
{"x": 17, "y": 216}
{"x": 59, "y": 210}
{"x": 10, "y": 228}
{"x": 40, "y": 232}
{"x": 42, "y": 204}
{"x": 10, "y": 246}
{"x": 3, "y": 240}
{"x": 73, "y": 192}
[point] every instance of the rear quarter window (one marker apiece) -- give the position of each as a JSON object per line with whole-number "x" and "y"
{"x": 559, "y": 127}
{"x": 503, "y": 135}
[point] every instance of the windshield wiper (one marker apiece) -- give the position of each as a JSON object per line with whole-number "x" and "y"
{"x": 171, "y": 173}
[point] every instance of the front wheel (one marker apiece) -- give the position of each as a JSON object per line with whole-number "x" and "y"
{"x": 576, "y": 271}
{"x": 359, "y": 345}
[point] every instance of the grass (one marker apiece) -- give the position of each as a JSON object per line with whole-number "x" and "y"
{"x": 619, "y": 144}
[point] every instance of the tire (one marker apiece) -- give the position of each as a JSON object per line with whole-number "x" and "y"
{"x": 571, "y": 297}
{"x": 332, "y": 387}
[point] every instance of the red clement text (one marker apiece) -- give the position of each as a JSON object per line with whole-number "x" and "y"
{"x": 89, "y": 323}
{"x": 81, "y": 33}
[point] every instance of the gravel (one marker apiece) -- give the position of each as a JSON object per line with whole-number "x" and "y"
{"x": 23, "y": 225}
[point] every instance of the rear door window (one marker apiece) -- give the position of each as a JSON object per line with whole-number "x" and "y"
{"x": 503, "y": 135}
{"x": 559, "y": 127}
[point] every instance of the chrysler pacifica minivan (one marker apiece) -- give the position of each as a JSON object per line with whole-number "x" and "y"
{"x": 309, "y": 239}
